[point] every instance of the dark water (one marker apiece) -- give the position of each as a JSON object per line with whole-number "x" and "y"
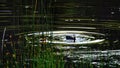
{"x": 32, "y": 50}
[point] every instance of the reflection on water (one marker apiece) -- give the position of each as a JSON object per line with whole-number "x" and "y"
{"x": 79, "y": 49}
{"x": 84, "y": 54}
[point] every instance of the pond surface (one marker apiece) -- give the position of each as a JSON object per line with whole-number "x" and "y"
{"x": 76, "y": 49}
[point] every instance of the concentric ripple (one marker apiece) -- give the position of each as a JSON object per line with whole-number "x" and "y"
{"x": 67, "y": 37}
